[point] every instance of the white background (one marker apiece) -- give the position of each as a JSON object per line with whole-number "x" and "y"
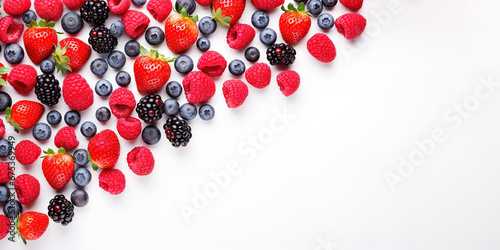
{"x": 320, "y": 182}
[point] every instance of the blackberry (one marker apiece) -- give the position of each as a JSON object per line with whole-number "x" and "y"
{"x": 101, "y": 40}
{"x": 61, "y": 210}
{"x": 178, "y": 132}
{"x": 47, "y": 89}
{"x": 280, "y": 54}
{"x": 94, "y": 12}
{"x": 150, "y": 108}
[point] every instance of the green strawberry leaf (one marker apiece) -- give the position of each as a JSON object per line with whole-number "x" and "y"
{"x": 42, "y": 23}
{"x": 8, "y": 111}
{"x": 8, "y": 119}
{"x": 61, "y": 60}
{"x": 283, "y": 8}
{"x": 194, "y": 19}
{"x": 301, "y": 7}
{"x": 3, "y": 82}
{"x": 183, "y": 11}
{"x": 16, "y": 225}
{"x": 224, "y": 20}
{"x": 4, "y": 70}
{"x": 51, "y": 24}
{"x": 33, "y": 23}
{"x": 143, "y": 51}
{"x": 61, "y": 150}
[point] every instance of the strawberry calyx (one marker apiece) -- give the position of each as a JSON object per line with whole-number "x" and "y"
{"x": 3, "y": 70}
{"x": 217, "y": 16}
{"x": 95, "y": 167}
{"x": 50, "y": 151}
{"x": 8, "y": 119}
{"x": 16, "y": 224}
{"x": 155, "y": 55}
{"x": 61, "y": 60}
{"x": 301, "y": 9}
{"x": 43, "y": 24}
{"x": 185, "y": 14}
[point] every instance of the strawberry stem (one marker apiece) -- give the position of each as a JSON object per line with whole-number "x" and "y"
{"x": 217, "y": 16}
{"x": 61, "y": 60}
{"x": 154, "y": 54}
{"x": 3, "y": 70}
{"x": 8, "y": 119}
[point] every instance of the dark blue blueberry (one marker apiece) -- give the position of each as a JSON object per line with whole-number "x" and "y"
{"x": 99, "y": 67}
{"x": 88, "y": 129}
{"x": 102, "y": 114}
{"x": 80, "y": 156}
{"x": 207, "y": 25}
{"x": 329, "y": 3}
{"x": 151, "y": 134}
{"x": 174, "y": 89}
{"x": 28, "y": 16}
{"x": 188, "y": 111}
{"x": 4, "y": 193}
{"x": 268, "y": 36}
{"x": 123, "y": 78}
{"x": 5, "y": 101}
{"x": 154, "y": 35}
{"x": 206, "y": 112}
{"x": 203, "y": 43}
{"x": 79, "y": 197}
{"x": 171, "y": 107}
{"x": 315, "y": 7}
{"x": 4, "y": 148}
{"x": 237, "y": 67}
{"x": 82, "y": 177}
{"x": 260, "y": 19}
{"x": 12, "y": 208}
{"x": 252, "y": 54}
{"x": 41, "y": 132}
{"x": 72, "y": 118}
{"x": 71, "y": 23}
{"x": 139, "y": 2}
{"x": 301, "y": 1}
{"x": 183, "y": 64}
{"x": 116, "y": 59}
{"x": 103, "y": 88}
{"x": 132, "y": 48}
{"x": 54, "y": 117}
{"x": 47, "y": 66}
{"x": 13, "y": 53}
{"x": 116, "y": 29}
{"x": 189, "y": 5}
{"x": 325, "y": 21}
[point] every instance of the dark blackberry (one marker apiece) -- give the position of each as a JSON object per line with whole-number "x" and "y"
{"x": 47, "y": 89}
{"x": 101, "y": 40}
{"x": 280, "y": 54}
{"x": 94, "y": 12}
{"x": 61, "y": 210}
{"x": 178, "y": 132}
{"x": 150, "y": 108}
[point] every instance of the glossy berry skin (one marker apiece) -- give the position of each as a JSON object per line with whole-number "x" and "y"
{"x": 72, "y": 118}
{"x": 54, "y": 117}
{"x": 252, "y": 54}
{"x": 207, "y": 25}
{"x": 58, "y": 168}
{"x": 41, "y": 132}
{"x": 139, "y": 2}
{"x": 154, "y": 35}
{"x": 104, "y": 149}
{"x": 315, "y": 7}
{"x": 4, "y": 148}
{"x": 117, "y": 28}
{"x": 151, "y": 135}
{"x": 151, "y": 71}
{"x": 99, "y": 67}
{"x": 189, "y": 5}
{"x": 28, "y": 16}
{"x": 294, "y": 23}
{"x": 116, "y": 59}
{"x": 80, "y": 157}
{"x": 180, "y": 31}
{"x": 171, "y": 107}
{"x": 203, "y": 44}
{"x": 32, "y": 225}
{"x": 236, "y": 67}
{"x": 326, "y": 21}
{"x": 260, "y": 19}
{"x": 132, "y": 48}
{"x": 123, "y": 78}
{"x": 183, "y": 64}
{"x": 13, "y": 53}
{"x": 206, "y": 112}
{"x": 103, "y": 114}
{"x": 268, "y": 36}
{"x": 82, "y": 177}
{"x": 88, "y": 129}
{"x": 38, "y": 41}
{"x": 12, "y": 208}
{"x": 71, "y": 23}
{"x": 5, "y": 101}
{"x": 4, "y": 193}
{"x": 329, "y": 3}
{"x": 103, "y": 88}
{"x": 229, "y": 9}
{"x": 24, "y": 114}
{"x": 188, "y": 111}
{"x": 174, "y": 89}
{"x": 47, "y": 66}
{"x": 79, "y": 197}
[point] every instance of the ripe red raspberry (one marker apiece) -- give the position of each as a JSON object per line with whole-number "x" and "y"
{"x": 288, "y": 81}
{"x": 235, "y": 92}
{"x": 119, "y": 6}
{"x": 353, "y": 5}
{"x": 141, "y": 161}
{"x": 50, "y": 10}
{"x": 66, "y": 138}
{"x": 6, "y": 172}
{"x": 321, "y": 48}
{"x": 4, "y": 226}
{"x": 22, "y": 78}
{"x": 259, "y": 75}
{"x": 198, "y": 87}
{"x": 212, "y": 63}
{"x": 112, "y": 181}
{"x": 74, "y": 4}
{"x": 135, "y": 23}
{"x": 159, "y": 9}
{"x": 16, "y": 7}
{"x": 240, "y": 35}
{"x": 27, "y": 188}
{"x": 122, "y": 102}
{"x": 204, "y": 2}
{"x": 350, "y": 25}
{"x": 10, "y": 29}
{"x": 77, "y": 93}
{"x": 129, "y": 128}
{"x": 267, "y": 4}
{"x": 2, "y": 128}
{"x": 27, "y": 152}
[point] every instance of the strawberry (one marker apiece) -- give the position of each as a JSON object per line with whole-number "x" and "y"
{"x": 39, "y": 39}
{"x": 71, "y": 54}
{"x": 57, "y": 167}
{"x": 104, "y": 149}
{"x": 180, "y": 30}
{"x": 3, "y": 75}
{"x": 31, "y": 225}
{"x": 151, "y": 71}
{"x": 294, "y": 23}
{"x": 228, "y": 12}
{"x": 24, "y": 114}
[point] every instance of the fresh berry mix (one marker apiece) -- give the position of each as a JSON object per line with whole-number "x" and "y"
{"x": 61, "y": 210}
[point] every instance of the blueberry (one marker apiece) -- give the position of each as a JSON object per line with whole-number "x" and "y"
{"x": 71, "y": 23}
{"x": 88, "y": 129}
{"x": 203, "y": 43}
{"x": 301, "y": 1}
{"x": 315, "y": 7}
{"x": 80, "y": 156}
{"x": 139, "y": 2}
{"x": 5, "y": 147}
{"x": 207, "y": 25}
{"x": 47, "y": 66}
{"x": 99, "y": 67}
{"x": 123, "y": 78}
{"x": 188, "y": 111}
{"x": 151, "y": 134}
{"x": 183, "y": 64}
{"x": 268, "y": 36}
{"x": 13, "y": 53}
{"x": 79, "y": 197}
{"x": 132, "y": 48}
{"x": 54, "y": 117}
{"x": 103, "y": 88}
{"x": 116, "y": 59}
{"x": 102, "y": 114}
{"x": 28, "y": 16}
{"x": 12, "y": 208}
{"x": 154, "y": 35}
{"x": 41, "y": 132}
{"x": 174, "y": 89}
{"x": 82, "y": 177}
{"x": 252, "y": 54}
{"x": 236, "y": 67}
{"x": 171, "y": 107}
{"x": 116, "y": 29}
{"x": 325, "y": 21}
{"x": 5, "y": 101}
{"x": 329, "y": 3}
{"x": 72, "y": 118}
{"x": 189, "y": 5}
{"x": 206, "y": 112}
{"x": 4, "y": 193}
{"x": 260, "y": 19}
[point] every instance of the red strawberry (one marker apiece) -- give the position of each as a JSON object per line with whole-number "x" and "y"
{"x": 31, "y": 225}
{"x": 3, "y": 75}
{"x": 181, "y": 31}
{"x": 228, "y": 12}
{"x": 353, "y": 5}
{"x": 294, "y": 23}
{"x": 24, "y": 114}
{"x": 71, "y": 54}
{"x": 104, "y": 149}
{"x": 57, "y": 167}
{"x": 39, "y": 39}
{"x": 151, "y": 71}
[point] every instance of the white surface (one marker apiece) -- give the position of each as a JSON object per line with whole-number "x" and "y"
{"x": 320, "y": 182}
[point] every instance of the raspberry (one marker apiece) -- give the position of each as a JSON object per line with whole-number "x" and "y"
{"x": 119, "y": 6}
{"x": 16, "y": 7}
{"x": 77, "y": 93}
{"x": 240, "y": 35}
{"x": 321, "y": 48}
{"x": 141, "y": 161}
{"x": 50, "y": 10}
{"x": 129, "y": 128}
{"x": 350, "y": 25}
{"x": 4, "y": 226}
{"x": 27, "y": 188}
{"x": 74, "y": 4}
{"x": 353, "y": 5}
{"x": 267, "y": 4}
{"x": 204, "y": 2}
{"x": 159, "y": 9}
{"x": 135, "y": 23}
{"x": 288, "y": 81}
{"x": 6, "y": 172}
{"x": 122, "y": 102}
{"x": 259, "y": 75}
{"x": 27, "y": 152}
{"x": 66, "y": 138}
{"x": 112, "y": 181}
{"x": 10, "y": 29}
{"x": 22, "y": 78}
{"x": 198, "y": 87}
{"x": 2, "y": 128}
{"x": 212, "y": 63}
{"x": 235, "y": 92}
